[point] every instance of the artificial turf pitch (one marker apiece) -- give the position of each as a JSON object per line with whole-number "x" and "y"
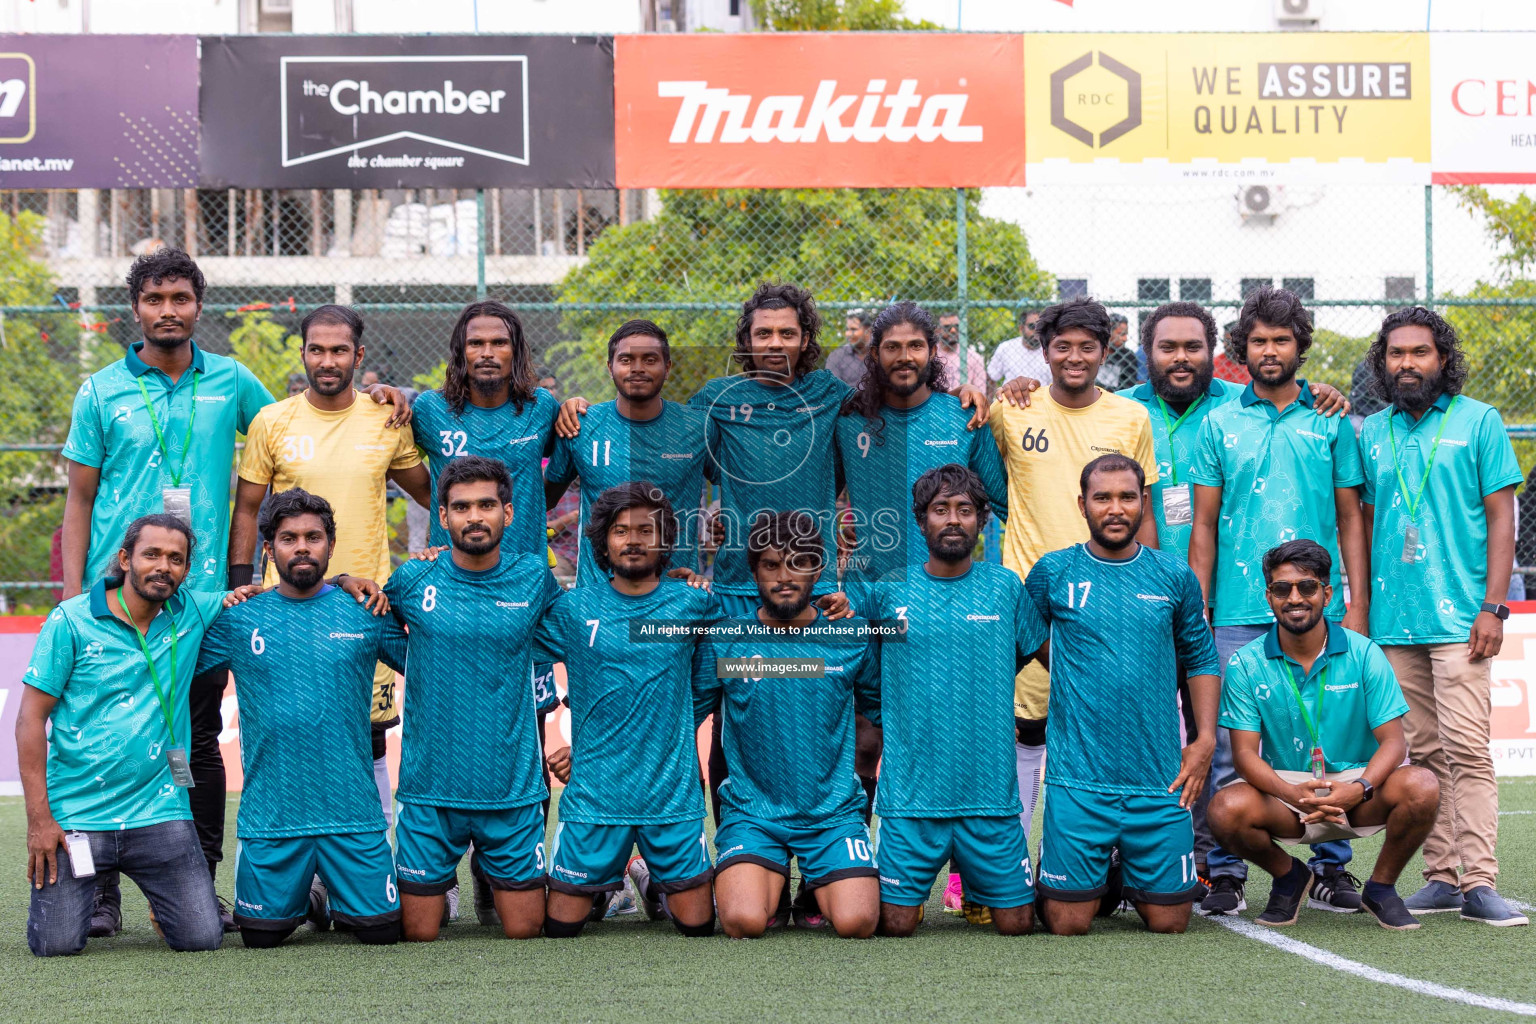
{"x": 632, "y": 970}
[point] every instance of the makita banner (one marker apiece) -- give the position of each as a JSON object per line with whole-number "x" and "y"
{"x": 807, "y": 110}
{"x": 407, "y": 112}
{"x": 98, "y": 111}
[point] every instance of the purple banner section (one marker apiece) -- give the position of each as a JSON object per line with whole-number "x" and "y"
{"x": 15, "y": 652}
{"x": 85, "y": 111}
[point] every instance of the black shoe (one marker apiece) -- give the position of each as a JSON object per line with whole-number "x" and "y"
{"x": 107, "y": 908}
{"x": 600, "y": 903}
{"x": 1225, "y": 897}
{"x": 319, "y": 915}
{"x": 485, "y": 899}
{"x": 1335, "y": 890}
{"x": 1390, "y": 912}
{"x": 1109, "y": 903}
{"x": 227, "y": 916}
{"x": 1283, "y": 910}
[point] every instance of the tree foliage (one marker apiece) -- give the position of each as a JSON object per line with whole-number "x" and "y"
{"x": 266, "y": 348}
{"x": 834, "y": 16}
{"x": 850, "y": 247}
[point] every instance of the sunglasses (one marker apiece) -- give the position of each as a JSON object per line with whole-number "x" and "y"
{"x": 1281, "y": 589}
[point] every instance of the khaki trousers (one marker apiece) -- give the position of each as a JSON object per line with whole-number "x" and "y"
{"x": 1447, "y": 730}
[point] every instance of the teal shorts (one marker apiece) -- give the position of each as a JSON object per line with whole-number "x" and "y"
{"x": 826, "y": 855}
{"x": 430, "y": 841}
{"x": 990, "y": 853}
{"x": 589, "y": 859}
{"x": 1155, "y": 836}
{"x": 272, "y": 879}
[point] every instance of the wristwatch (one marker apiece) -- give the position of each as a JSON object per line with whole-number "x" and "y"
{"x": 1500, "y": 611}
{"x": 1370, "y": 790}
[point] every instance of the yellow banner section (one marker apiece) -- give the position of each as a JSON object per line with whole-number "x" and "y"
{"x": 1161, "y": 106}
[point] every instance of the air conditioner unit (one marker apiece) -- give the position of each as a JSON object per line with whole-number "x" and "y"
{"x": 1304, "y": 11}
{"x": 1262, "y": 203}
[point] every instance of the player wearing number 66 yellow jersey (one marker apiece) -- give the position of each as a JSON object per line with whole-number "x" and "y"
{"x": 1045, "y": 446}
{"x": 331, "y": 444}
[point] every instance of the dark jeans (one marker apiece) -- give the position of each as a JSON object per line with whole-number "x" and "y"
{"x": 1229, "y": 640}
{"x": 207, "y": 764}
{"x": 164, "y": 860}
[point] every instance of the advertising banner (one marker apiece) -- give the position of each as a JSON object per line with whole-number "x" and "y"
{"x": 98, "y": 111}
{"x": 1483, "y": 107}
{"x": 1275, "y": 106}
{"x": 819, "y": 110}
{"x": 407, "y": 112}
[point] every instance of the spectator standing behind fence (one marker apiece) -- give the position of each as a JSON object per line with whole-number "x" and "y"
{"x": 1120, "y": 369}
{"x": 846, "y": 362}
{"x": 1022, "y": 356}
{"x": 948, "y": 355}
{"x": 344, "y": 450}
{"x": 1270, "y": 468}
{"x": 1440, "y": 477}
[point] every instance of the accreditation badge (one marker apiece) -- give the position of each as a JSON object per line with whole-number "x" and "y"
{"x": 1410, "y": 544}
{"x": 181, "y": 771}
{"x": 1178, "y": 505}
{"x": 178, "y": 503}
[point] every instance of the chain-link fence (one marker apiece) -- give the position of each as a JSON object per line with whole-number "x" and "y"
{"x": 576, "y": 263}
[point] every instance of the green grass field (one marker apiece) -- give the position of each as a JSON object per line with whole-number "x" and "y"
{"x": 633, "y": 971}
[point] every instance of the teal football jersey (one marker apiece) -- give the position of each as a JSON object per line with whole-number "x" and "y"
{"x": 773, "y": 450}
{"x": 634, "y": 758}
{"x": 471, "y": 727}
{"x": 946, "y": 690}
{"x": 304, "y": 676}
{"x": 1119, "y": 633}
{"x": 520, "y": 438}
{"x": 881, "y": 461}
{"x": 789, "y": 742}
{"x": 669, "y": 451}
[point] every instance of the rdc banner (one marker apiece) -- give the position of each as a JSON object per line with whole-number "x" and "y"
{"x": 407, "y": 111}
{"x": 1259, "y": 106}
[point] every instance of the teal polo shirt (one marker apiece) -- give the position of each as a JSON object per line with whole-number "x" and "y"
{"x": 107, "y": 768}
{"x": 1277, "y": 471}
{"x": 110, "y": 430}
{"x": 1363, "y": 694}
{"x": 1434, "y": 599}
{"x": 1175, "y": 450}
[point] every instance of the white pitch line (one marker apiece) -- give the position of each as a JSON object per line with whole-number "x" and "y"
{"x": 1418, "y": 986}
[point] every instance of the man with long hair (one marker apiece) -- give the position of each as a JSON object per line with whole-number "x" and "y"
{"x": 1440, "y": 478}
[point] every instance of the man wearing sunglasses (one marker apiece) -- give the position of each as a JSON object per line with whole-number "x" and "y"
{"x": 1269, "y": 468}
{"x": 1316, "y": 720}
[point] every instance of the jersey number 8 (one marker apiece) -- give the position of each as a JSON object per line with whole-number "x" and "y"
{"x": 428, "y": 598}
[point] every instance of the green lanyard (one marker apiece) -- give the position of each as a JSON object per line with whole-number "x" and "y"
{"x": 1172, "y": 427}
{"x": 154, "y": 675}
{"x": 1313, "y": 731}
{"x": 1413, "y": 504}
{"x": 154, "y": 421}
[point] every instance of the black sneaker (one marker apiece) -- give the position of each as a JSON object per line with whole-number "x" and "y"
{"x": 227, "y": 916}
{"x": 1390, "y": 912}
{"x": 600, "y": 903}
{"x": 1283, "y": 910}
{"x": 319, "y": 915}
{"x": 1114, "y": 887}
{"x": 1336, "y": 891}
{"x": 1225, "y": 897}
{"x": 107, "y": 907}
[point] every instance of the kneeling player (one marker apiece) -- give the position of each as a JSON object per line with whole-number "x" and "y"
{"x": 468, "y": 662}
{"x": 789, "y": 743}
{"x": 1317, "y": 736}
{"x": 634, "y": 766}
{"x": 303, "y": 656}
{"x": 948, "y": 787}
{"x": 1123, "y": 619}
